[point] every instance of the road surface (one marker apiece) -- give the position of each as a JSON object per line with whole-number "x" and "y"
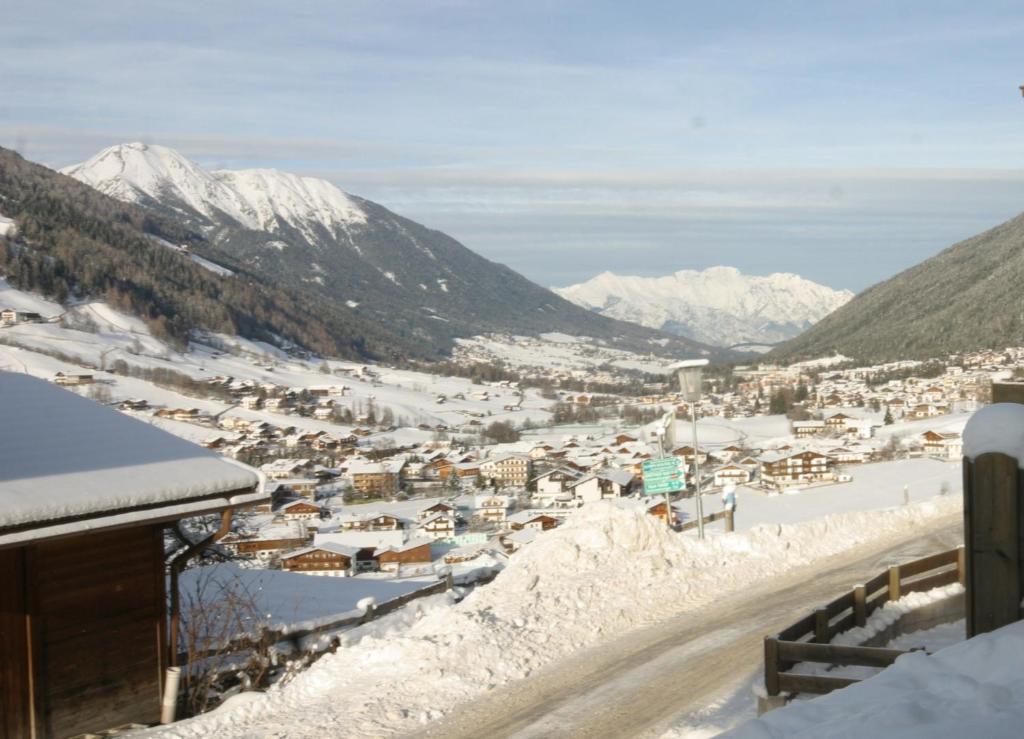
{"x": 642, "y": 683}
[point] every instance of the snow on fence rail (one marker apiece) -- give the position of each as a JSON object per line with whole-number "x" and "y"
{"x": 808, "y": 640}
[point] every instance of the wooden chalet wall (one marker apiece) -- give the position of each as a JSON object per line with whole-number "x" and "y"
{"x": 95, "y": 616}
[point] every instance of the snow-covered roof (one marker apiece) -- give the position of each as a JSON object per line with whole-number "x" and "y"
{"x": 330, "y": 546}
{"x": 68, "y": 464}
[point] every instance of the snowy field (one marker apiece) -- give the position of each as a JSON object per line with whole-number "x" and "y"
{"x": 96, "y": 336}
{"x": 610, "y": 569}
{"x": 875, "y": 486}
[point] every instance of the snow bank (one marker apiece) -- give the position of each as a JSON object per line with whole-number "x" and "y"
{"x": 7, "y": 226}
{"x": 996, "y": 428}
{"x": 973, "y": 688}
{"x": 609, "y": 569}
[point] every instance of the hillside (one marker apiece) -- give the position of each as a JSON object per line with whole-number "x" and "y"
{"x": 307, "y": 235}
{"x": 719, "y": 306}
{"x": 74, "y": 242}
{"x": 968, "y": 297}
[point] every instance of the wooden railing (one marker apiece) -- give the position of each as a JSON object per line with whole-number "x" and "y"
{"x": 726, "y": 516}
{"x": 808, "y": 639}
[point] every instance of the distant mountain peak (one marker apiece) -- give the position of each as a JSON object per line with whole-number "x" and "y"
{"x": 254, "y": 198}
{"x": 719, "y": 305}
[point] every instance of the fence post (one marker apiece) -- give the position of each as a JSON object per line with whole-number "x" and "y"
{"x": 771, "y": 665}
{"x": 860, "y": 605}
{"x": 730, "y": 521}
{"x": 894, "y": 582}
{"x": 961, "y": 563}
{"x": 821, "y": 626}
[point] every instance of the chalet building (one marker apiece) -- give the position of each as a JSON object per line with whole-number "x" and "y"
{"x": 72, "y": 380}
{"x": 267, "y": 548}
{"x": 84, "y": 638}
{"x": 508, "y": 469}
{"x": 731, "y": 474}
{"x": 838, "y": 422}
{"x": 660, "y": 510}
{"x": 686, "y": 454}
{"x": 330, "y": 560}
{"x": 302, "y": 486}
{"x": 532, "y": 520}
{"x": 412, "y": 552}
{"x": 300, "y": 510}
{"x": 435, "y": 509}
{"x": 439, "y": 526}
{"x": 370, "y": 521}
{"x": 783, "y": 470}
{"x": 377, "y": 478}
{"x": 12, "y": 317}
{"x": 805, "y": 429}
{"x": 553, "y": 485}
{"x": 602, "y": 485}
{"x": 947, "y": 445}
{"x": 492, "y": 508}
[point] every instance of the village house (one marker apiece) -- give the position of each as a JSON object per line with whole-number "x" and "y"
{"x": 532, "y": 520}
{"x": 602, "y": 485}
{"x": 11, "y": 317}
{"x": 492, "y": 508}
{"x": 300, "y": 510}
{"x": 369, "y": 521}
{"x": 805, "y": 429}
{"x": 789, "y": 469}
{"x": 507, "y": 469}
{"x": 438, "y": 526}
{"x": 942, "y": 445}
{"x": 553, "y": 485}
{"x": 659, "y": 509}
{"x": 395, "y": 557}
{"x": 84, "y": 637}
{"x": 731, "y": 474}
{"x": 331, "y": 560}
{"x": 72, "y": 380}
{"x": 377, "y": 478}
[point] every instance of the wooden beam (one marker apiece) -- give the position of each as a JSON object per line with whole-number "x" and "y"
{"x": 834, "y": 654}
{"x": 815, "y": 684}
{"x": 771, "y": 665}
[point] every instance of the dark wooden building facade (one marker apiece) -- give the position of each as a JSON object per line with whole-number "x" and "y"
{"x": 85, "y": 493}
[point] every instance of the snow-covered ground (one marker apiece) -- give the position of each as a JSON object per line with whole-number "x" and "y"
{"x": 609, "y": 569}
{"x": 875, "y": 486}
{"x": 95, "y": 335}
{"x": 970, "y": 689}
{"x": 292, "y": 600}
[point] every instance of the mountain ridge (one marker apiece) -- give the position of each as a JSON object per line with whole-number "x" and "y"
{"x": 719, "y": 305}
{"x": 306, "y": 234}
{"x": 965, "y": 298}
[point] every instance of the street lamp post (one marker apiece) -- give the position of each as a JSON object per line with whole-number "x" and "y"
{"x": 689, "y": 373}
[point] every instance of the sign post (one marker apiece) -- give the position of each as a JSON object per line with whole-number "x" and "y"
{"x": 663, "y": 477}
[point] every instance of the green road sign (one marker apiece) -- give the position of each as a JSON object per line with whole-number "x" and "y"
{"x": 663, "y": 476}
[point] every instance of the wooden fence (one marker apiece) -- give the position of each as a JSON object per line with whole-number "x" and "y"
{"x": 808, "y": 639}
{"x": 726, "y": 516}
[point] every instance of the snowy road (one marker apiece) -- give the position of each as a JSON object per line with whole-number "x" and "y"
{"x": 643, "y": 683}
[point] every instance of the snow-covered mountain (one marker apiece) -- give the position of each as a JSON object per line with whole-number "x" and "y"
{"x": 719, "y": 306}
{"x": 254, "y": 198}
{"x": 305, "y": 234}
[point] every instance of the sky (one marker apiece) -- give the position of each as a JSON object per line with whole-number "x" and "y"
{"x": 841, "y": 141}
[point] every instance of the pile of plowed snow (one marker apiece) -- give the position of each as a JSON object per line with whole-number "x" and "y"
{"x": 610, "y": 568}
